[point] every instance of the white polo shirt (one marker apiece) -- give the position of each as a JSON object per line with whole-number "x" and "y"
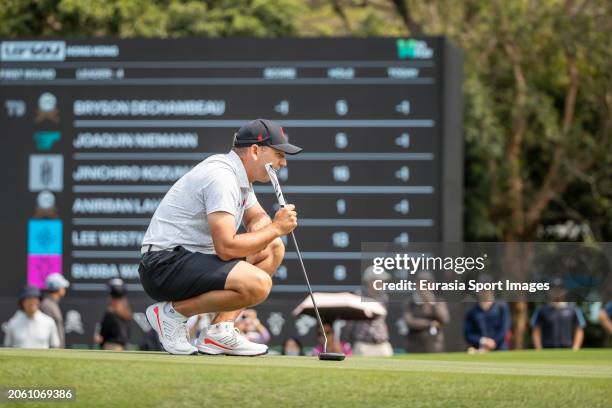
{"x": 36, "y": 332}
{"x": 218, "y": 183}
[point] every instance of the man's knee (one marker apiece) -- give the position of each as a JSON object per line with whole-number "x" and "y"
{"x": 278, "y": 248}
{"x": 262, "y": 287}
{"x": 270, "y": 258}
{"x": 259, "y": 288}
{"x": 252, "y": 283}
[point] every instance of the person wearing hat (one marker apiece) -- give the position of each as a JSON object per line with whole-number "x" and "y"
{"x": 56, "y": 290}
{"x": 193, "y": 258}
{"x": 425, "y": 316}
{"x": 114, "y": 329}
{"x": 29, "y": 327}
{"x": 370, "y": 337}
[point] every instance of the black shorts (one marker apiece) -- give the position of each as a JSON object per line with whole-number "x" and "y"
{"x": 182, "y": 274}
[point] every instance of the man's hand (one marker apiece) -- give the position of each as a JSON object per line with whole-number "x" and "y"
{"x": 285, "y": 219}
{"x": 487, "y": 343}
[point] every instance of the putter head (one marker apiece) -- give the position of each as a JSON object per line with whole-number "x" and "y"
{"x": 331, "y": 356}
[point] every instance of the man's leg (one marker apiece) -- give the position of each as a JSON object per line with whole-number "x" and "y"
{"x": 246, "y": 285}
{"x": 267, "y": 260}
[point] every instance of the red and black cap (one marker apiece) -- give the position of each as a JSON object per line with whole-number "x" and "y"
{"x": 264, "y": 132}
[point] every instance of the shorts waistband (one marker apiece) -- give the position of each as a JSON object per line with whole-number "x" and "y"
{"x": 152, "y": 248}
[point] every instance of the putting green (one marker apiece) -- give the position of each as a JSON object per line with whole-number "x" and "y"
{"x": 134, "y": 379}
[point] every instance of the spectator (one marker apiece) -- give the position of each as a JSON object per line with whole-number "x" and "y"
{"x": 56, "y": 290}
{"x": 605, "y": 317}
{"x": 487, "y": 323}
{"x": 370, "y": 337}
{"x": 425, "y": 317}
{"x": 115, "y": 326}
{"x": 334, "y": 345}
{"x": 29, "y": 327}
{"x": 557, "y": 324}
{"x": 292, "y": 347}
{"x": 251, "y": 327}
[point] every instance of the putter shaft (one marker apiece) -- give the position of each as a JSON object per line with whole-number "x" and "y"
{"x": 281, "y": 201}
{"x": 297, "y": 250}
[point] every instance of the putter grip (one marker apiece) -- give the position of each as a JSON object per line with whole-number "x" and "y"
{"x": 276, "y": 185}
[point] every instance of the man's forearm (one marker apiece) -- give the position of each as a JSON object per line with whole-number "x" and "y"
{"x": 578, "y": 338}
{"x": 243, "y": 245}
{"x": 537, "y": 338}
{"x": 258, "y": 222}
{"x": 605, "y": 321}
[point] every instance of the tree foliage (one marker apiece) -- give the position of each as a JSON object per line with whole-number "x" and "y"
{"x": 148, "y": 18}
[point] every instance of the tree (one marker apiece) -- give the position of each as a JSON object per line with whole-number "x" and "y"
{"x": 146, "y": 18}
{"x": 538, "y": 119}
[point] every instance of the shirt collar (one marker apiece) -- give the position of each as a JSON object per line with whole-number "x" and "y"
{"x": 240, "y": 170}
{"x": 25, "y": 316}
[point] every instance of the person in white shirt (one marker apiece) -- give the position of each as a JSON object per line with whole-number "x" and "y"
{"x": 194, "y": 259}
{"x": 29, "y": 327}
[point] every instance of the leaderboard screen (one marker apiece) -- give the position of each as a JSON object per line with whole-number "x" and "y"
{"x": 94, "y": 132}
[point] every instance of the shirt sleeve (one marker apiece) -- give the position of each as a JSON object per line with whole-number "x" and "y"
{"x": 8, "y": 338}
{"x": 221, "y": 193}
{"x": 251, "y": 199}
{"x": 505, "y": 323}
{"x": 608, "y": 308}
{"x": 535, "y": 318}
{"x": 470, "y": 330}
{"x": 580, "y": 321}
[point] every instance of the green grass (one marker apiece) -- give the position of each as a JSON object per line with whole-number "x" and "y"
{"x": 139, "y": 379}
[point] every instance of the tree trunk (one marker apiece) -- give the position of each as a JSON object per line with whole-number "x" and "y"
{"x": 520, "y": 321}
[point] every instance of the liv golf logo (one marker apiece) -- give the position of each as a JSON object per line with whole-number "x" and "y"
{"x": 32, "y": 51}
{"x": 413, "y": 49}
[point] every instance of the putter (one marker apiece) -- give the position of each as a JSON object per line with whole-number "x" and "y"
{"x": 281, "y": 201}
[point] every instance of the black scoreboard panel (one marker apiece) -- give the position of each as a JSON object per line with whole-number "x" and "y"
{"x": 94, "y": 132}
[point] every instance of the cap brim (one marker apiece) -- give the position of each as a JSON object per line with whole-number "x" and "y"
{"x": 287, "y": 148}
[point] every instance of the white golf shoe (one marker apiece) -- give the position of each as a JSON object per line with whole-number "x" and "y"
{"x": 172, "y": 331}
{"x": 223, "y": 338}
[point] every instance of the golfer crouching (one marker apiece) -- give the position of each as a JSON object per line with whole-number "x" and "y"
{"x": 193, "y": 259}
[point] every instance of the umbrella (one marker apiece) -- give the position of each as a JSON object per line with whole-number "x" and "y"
{"x": 344, "y": 306}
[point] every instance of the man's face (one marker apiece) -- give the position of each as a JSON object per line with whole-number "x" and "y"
{"x": 30, "y": 305}
{"x": 266, "y": 154}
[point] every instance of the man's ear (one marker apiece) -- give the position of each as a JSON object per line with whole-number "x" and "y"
{"x": 254, "y": 151}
